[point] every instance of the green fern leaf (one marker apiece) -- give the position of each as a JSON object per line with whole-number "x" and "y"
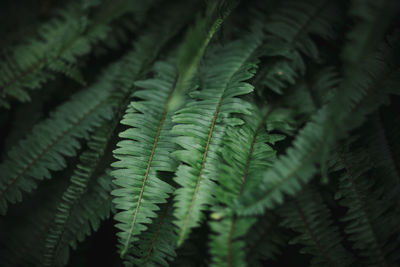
{"x": 144, "y": 153}
{"x": 194, "y": 46}
{"x": 75, "y": 194}
{"x": 34, "y": 63}
{"x": 201, "y": 125}
{"x": 34, "y": 157}
{"x": 156, "y": 246}
{"x": 309, "y": 216}
{"x": 346, "y": 110}
{"x": 369, "y": 220}
{"x": 245, "y": 150}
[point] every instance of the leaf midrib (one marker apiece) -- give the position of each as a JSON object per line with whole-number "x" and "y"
{"x": 160, "y": 125}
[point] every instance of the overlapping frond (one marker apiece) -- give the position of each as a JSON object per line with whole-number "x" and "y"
{"x": 370, "y": 220}
{"x": 195, "y": 44}
{"x": 345, "y": 111}
{"x": 76, "y": 118}
{"x": 35, "y": 157}
{"x": 60, "y": 44}
{"x": 246, "y": 150}
{"x": 209, "y": 150}
{"x": 22, "y": 244}
{"x": 311, "y": 218}
{"x": 144, "y": 152}
{"x": 156, "y": 246}
{"x": 201, "y": 125}
{"x": 73, "y": 202}
{"x": 290, "y": 29}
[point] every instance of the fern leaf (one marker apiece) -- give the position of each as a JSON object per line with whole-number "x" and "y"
{"x": 309, "y": 216}
{"x": 83, "y": 218}
{"x": 245, "y": 151}
{"x": 34, "y": 157}
{"x": 144, "y": 152}
{"x": 290, "y": 28}
{"x": 34, "y": 63}
{"x": 23, "y": 242}
{"x": 75, "y": 119}
{"x": 201, "y": 125}
{"x": 369, "y": 220}
{"x": 194, "y": 46}
{"x": 344, "y": 112}
{"x": 156, "y": 246}
{"x": 74, "y": 195}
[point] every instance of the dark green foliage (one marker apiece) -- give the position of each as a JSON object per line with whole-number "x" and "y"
{"x": 209, "y": 133}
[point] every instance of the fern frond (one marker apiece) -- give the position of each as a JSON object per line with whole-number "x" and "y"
{"x": 195, "y": 44}
{"x": 294, "y": 22}
{"x": 78, "y": 117}
{"x": 290, "y": 28}
{"x": 57, "y": 49}
{"x": 156, "y": 246}
{"x": 145, "y": 151}
{"x": 23, "y": 242}
{"x": 127, "y": 176}
{"x": 79, "y": 221}
{"x": 344, "y": 112}
{"x": 201, "y": 125}
{"x": 34, "y": 157}
{"x": 370, "y": 222}
{"x": 308, "y": 215}
{"x": 245, "y": 151}
{"x": 74, "y": 196}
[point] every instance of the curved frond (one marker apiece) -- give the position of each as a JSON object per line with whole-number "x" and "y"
{"x": 23, "y": 242}
{"x": 195, "y": 44}
{"x": 370, "y": 222}
{"x": 156, "y": 246}
{"x": 201, "y": 125}
{"x": 290, "y": 29}
{"x": 246, "y": 150}
{"x": 34, "y": 157}
{"x": 73, "y": 199}
{"x": 58, "y": 47}
{"x": 144, "y": 152}
{"x": 311, "y": 218}
{"x": 345, "y": 111}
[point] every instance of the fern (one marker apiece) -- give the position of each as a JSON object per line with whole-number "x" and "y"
{"x": 215, "y": 102}
{"x": 151, "y": 155}
{"x": 340, "y": 115}
{"x": 200, "y": 133}
{"x": 27, "y": 237}
{"x": 75, "y": 193}
{"x": 37, "y": 60}
{"x": 289, "y": 36}
{"x": 157, "y": 244}
{"x": 194, "y": 46}
{"x": 245, "y": 151}
{"x": 34, "y": 157}
{"x": 308, "y": 215}
{"x": 371, "y": 214}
